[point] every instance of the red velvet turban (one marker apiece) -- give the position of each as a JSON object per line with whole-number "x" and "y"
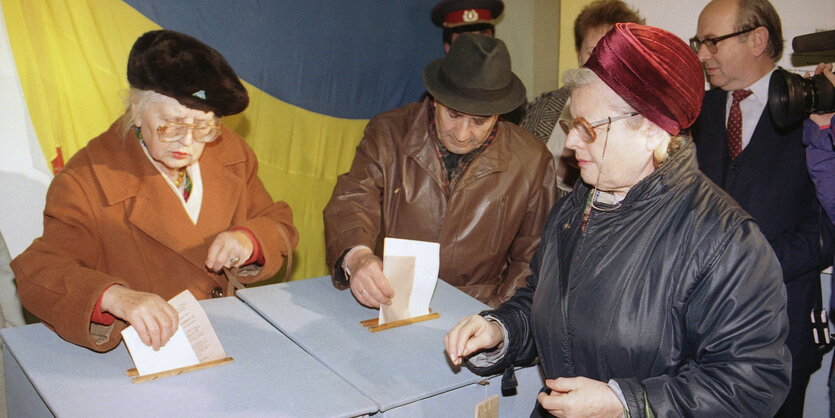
{"x": 652, "y": 70}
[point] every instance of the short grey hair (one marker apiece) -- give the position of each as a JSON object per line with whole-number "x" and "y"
{"x": 579, "y": 77}
{"x": 583, "y": 76}
{"x": 143, "y": 99}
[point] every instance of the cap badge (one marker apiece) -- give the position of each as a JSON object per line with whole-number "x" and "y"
{"x": 200, "y": 94}
{"x": 470, "y": 15}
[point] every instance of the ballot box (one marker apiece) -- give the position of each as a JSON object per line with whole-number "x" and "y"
{"x": 404, "y": 370}
{"x": 270, "y": 376}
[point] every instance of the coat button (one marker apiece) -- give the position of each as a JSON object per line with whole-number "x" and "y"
{"x": 217, "y": 292}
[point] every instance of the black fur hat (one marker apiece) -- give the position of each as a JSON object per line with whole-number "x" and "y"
{"x": 179, "y": 66}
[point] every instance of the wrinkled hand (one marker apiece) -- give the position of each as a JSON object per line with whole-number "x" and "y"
{"x": 368, "y": 284}
{"x": 825, "y": 118}
{"x": 580, "y": 397}
{"x": 228, "y": 244}
{"x": 471, "y": 334}
{"x": 153, "y": 318}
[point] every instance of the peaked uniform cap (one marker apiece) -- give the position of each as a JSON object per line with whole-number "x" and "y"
{"x": 452, "y": 13}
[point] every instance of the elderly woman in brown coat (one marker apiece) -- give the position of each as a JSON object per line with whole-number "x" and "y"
{"x": 161, "y": 202}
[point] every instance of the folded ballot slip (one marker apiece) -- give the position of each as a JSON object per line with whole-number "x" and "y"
{"x": 411, "y": 268}
{"x": 194, "y": 342}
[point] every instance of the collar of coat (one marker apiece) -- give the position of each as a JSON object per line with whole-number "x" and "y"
{"x": 122, "y": 169}
{"x": 418, "y": 144}
{"x": 125, "y": 175}
{"x": 676, "y": 169}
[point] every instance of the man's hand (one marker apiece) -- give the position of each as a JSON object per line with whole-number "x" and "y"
{"x": 368, "y": 284}
{"x": 824, "y": 118}
{"x": 580, "y": 397}
{"x": 153, "y": 318}
{"x": 230, "y": 248}
{"x": 471, "y": 334}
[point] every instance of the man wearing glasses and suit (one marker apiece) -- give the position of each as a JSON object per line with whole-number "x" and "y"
{"x": 761, "y": 165}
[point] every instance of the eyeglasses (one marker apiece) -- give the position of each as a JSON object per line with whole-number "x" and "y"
{"x": 200, "y": 132}
{"x": 710, "y": 43}
{"x": 586, "y": 129}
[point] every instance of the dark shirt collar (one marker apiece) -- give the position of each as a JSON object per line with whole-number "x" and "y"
{"x": 454, "y": 165}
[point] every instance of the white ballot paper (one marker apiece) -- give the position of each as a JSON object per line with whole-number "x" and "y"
{"x": 411, "y": 268}
{"x": 194, "y": 342}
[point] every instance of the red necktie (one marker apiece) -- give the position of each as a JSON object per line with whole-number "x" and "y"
{"x": 735, "y": 122}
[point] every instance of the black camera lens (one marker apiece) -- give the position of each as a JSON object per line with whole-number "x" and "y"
{"x": 792, "y": 97}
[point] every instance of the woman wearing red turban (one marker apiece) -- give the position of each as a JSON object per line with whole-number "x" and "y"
{"x": 652, "y": 292}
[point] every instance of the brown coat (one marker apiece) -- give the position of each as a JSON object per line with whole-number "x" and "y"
{"x": 111, "y": 218}
{"x": 490, "y": 225}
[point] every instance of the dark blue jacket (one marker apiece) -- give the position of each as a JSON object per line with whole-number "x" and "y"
{"x": 769, "y": 180}
{"x": 675, "y": 294}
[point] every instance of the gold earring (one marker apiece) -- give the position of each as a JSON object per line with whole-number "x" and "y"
{"x": 658, "y": 157}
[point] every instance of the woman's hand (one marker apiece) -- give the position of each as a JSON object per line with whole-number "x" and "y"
{"x": 368, "y": 284}
{"x": 230, "y": 248}
{"x": 153, "y": 318}
{"x": 825, "y": 118}
{"x": 580, "y": 397}
{"x": 471, "y": 334}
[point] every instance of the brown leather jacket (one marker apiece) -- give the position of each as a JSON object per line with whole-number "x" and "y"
{"x": 111, "y": 218}
{"x": 488, "y": 227}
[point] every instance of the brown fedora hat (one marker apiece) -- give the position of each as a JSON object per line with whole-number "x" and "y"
{"x": 475, "y": 77}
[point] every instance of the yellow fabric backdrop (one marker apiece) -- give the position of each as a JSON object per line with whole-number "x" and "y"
{"x": 569, "y": 9}
{"x": 71, "y": 57}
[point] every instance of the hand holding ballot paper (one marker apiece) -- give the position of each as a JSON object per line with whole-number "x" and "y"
{"x": 373, "y": 287}
{"x": 194, "y": 342}
{"x": 411, "y": 270}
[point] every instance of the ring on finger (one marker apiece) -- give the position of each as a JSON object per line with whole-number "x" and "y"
{"x": 233, "y": 260}
{"x": 362, "y": 291}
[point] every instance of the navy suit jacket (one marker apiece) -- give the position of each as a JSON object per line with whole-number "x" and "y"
{"x": 769, "y": 180}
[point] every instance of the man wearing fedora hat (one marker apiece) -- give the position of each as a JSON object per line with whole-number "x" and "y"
{"x": 446, "y": 170}
{"x": 472, "y": 16}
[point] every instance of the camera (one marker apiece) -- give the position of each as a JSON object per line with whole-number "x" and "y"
{"x": 792, "y": 97}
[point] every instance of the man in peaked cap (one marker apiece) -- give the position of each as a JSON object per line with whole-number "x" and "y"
{"x": 446, "y": 170}
{"x": 461, "y": 16}
{"x": 472, "y": 16}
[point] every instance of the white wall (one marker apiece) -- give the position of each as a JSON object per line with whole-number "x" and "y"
{"x": 24, "y": 175}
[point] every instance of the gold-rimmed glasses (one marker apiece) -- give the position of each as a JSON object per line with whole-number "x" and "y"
{"x": 200, "y": 132}
{"x": 710, "y": 43}
{"x": 585, "y": 128}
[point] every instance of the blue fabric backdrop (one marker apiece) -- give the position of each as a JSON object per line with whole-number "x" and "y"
{"x": 348, "y": 59}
